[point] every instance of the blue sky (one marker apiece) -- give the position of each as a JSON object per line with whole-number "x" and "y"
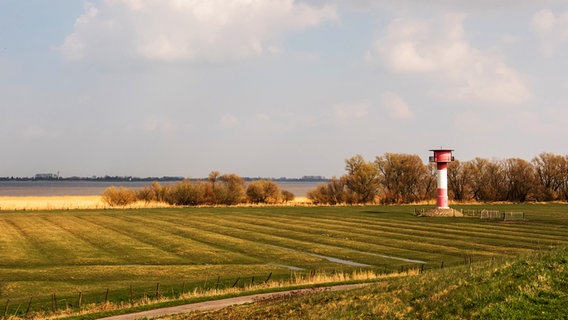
{"x": 276, "y": 87}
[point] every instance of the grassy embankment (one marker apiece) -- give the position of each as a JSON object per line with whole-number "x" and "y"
{"x": 534, "y": 286}
{"x": 187, "y": 249}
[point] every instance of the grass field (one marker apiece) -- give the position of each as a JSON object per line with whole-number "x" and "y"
{"x": 90, "y": 251}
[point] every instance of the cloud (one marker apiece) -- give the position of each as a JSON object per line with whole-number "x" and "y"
{"x": 396, "y": 107}
{"x": 157, "y": 124}
{"x": 438, "y": 49}
{"x": 343, "y": 112}
{"x": 195, "y": 30}
{"x": 552, "y": 29}
{"x": 228, "y": 121}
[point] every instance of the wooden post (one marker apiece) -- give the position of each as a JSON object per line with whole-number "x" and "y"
{"x": 442, "y": 267}
{"x": 237, "y": 281}
{"x": 217, "y": 285}
{"x": 106, "y": 297}
{"x": 183, "y": 288}
{"x": 6, "y": 308}
{"x": 157, "y": 290}
{"x": 80, "y": 300}
{"x": 252, "y": 281}
{"x": 29, "y": 306}
{"x": 54, "y": 302}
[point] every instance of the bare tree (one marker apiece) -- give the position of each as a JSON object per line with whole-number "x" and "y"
{"x": 401, "y": 177}
{"x": 362, "y": 179}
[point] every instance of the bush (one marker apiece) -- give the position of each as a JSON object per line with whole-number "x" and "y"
{"x": 118, "y": 196}
{"x": 186, "y": 193}
{"x": 263, "y": 191}
{"x": 287, "y": 196}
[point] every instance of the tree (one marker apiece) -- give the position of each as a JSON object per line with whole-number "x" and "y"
{"x": 334, "y": 192}
{"x": 362, "y": 179}
{"x": 551, "y": 171}
{"x": 488, "y": 180}
{"x": 402, "y": 177}
{"x": 459, "y": 180}
{"x": 520, "y": 179}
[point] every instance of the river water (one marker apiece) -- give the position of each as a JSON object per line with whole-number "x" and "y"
{"x": 14, "y": 188}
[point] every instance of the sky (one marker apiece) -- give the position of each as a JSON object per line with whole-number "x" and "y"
{"x": 276, "y": 88}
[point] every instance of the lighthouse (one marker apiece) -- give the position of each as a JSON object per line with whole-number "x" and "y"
{"x": 442, "y": 157}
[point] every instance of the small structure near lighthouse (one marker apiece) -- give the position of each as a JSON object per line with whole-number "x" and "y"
{"x": 442, "y": 157}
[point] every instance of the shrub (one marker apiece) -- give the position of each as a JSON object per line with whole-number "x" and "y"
{"x": 287, "y": 196}
{"x": 118, "y": 196}
{"x": 263, "y": 191}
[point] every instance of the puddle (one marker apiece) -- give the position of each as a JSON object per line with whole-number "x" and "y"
{"x": 351, "y": 263}
{"x": 285, "y": 266}
{"x": 332, "y": 259}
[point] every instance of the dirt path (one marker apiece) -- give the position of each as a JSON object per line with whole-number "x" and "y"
{"x": 219, "y": 304}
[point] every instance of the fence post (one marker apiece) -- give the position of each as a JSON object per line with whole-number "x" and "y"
{"x": 54, "y": 302}
{"x": 237, "y": 281}
{"x": 6, "y": 308}
{"x": 80, "y": 300}
{"x": 106, "y": 297}
{"x": 29, "y": 305}
{"x": 157, "y": 290}
{"x": 217, "y": 284}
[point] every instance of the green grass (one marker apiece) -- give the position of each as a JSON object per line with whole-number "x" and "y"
{"x": 534, "y": 286}
{"x": 88, "y": 251}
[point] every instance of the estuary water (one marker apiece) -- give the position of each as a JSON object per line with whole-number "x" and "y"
{"x": 13, "y": 188}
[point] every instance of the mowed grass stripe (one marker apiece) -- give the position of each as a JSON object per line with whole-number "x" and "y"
{"x": 361, "y": 239}
{"x": 16, "y": 247}
{"x": 370, "y": 244}
{"x": 491, "y": 228}
{"x": 250, "y": 248}
{"x": 437, "y": 234}
{"x": 486, "y": 233}
{"x": 57, "y": 245}
{"x": 100, "y": 239}
{"x": 139, "y": 238}
{"x": 275, "y": 238}
{"x": 170, "y": 237}
{"x": 368, "y": 217}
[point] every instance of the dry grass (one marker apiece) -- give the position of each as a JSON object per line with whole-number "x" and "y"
{"x": 84, "y": 202}
{"x": 298, "y": 280}
{"x": 64, "y": 203}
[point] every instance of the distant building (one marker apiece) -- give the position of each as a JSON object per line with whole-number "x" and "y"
{"x": 46, "y": 176}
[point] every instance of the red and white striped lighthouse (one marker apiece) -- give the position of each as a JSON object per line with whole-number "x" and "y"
{"x": 442, "y": 157}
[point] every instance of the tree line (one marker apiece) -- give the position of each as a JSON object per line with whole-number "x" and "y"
{"x": 395, "y": 178}
{"x": 219, "y": 189}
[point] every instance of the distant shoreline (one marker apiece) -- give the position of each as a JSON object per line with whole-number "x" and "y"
{"x": 46, "y": 188}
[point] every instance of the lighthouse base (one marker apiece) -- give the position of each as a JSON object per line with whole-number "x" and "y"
{"x": 441, "y": 212}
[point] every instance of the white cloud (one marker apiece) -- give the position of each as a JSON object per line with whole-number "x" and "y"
{"x": 552, "y": 29}
{"x": 438, "y": 49}
{"x": 36, "y": 131}
{"x": 228, "y": 121}
{"x": 157, "y": 124}
{"x": 343, "y": 112}
{"x": 396, "y": 107}
{"x": 197, "y": 30}
{"x": 262, "y": 117}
